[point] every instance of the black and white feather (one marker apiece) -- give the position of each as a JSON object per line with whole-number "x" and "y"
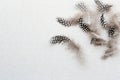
{"x": 84, "y": 26}
{"x": 98, "y": 41}
{"x": 82, "y": 7}
{"x": 102, "y": 7}
{"x": 64, "y": 22}
{"x": 111, "y": 31}
{"x": 102, "y": 21}
{"x": 65, "y": 41}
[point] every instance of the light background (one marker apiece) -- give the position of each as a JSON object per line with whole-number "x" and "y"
{"x": 26, "y": 27}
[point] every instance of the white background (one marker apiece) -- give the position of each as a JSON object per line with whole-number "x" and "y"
{"x": 26, "y": 27}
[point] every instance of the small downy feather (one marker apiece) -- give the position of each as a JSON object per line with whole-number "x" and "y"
{"x": 81, "y": 6}
{"x": 98, "y": 41}
{"x": 84, "y": 26}
{"x": 112, "y": 30}
{"x": 102, "y": 7}
{"x": 65, "y": 40}
{"x": 102, "y": 21}
{"x": 112, "y": 49}
{"x": 70, "y": 44}
{"x": 70, "y": 21}
{"x": 64, "y": 22}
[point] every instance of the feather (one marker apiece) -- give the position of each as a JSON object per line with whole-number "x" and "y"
{"x": 102, "y": 7}
{"x": 84, "y": 26}
{"x": 98, "y": 41}
{"x": 65, "y": 40}
{"x": 102, "y": 20}
{"x": 112, "y": 49}
{"x": 64, "y": 22}
{"x": 112, "y": 30}
{"x": 81, "y": 6}
{"x": 70, "y": 21}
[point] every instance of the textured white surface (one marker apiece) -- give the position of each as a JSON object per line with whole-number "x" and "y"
{"x": 25, "y": 54}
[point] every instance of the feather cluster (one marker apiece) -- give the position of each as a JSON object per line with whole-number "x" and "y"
{"x": 111, "y": 27}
